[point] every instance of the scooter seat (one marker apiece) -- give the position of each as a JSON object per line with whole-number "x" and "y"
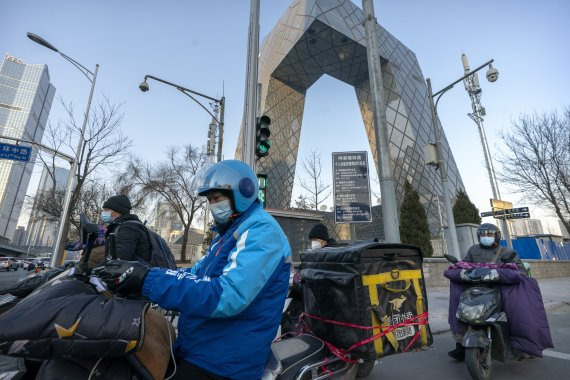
{"x": 294, "y": 353}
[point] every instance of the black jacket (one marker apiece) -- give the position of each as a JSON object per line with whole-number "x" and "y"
{"x": 479, "y": 253}
{"x": 131, "y": 241}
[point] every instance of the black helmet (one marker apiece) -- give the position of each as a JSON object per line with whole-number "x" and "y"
{"x": 489, "y": 228}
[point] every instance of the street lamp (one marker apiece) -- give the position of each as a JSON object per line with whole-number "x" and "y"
{"x": 492, "y": 76}
{"x": 218, "y": 106}
{"x": 57, "y": 257}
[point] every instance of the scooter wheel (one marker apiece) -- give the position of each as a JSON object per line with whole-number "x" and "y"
{"x": 476, "y": 361}
{"x": 365, "y": 368}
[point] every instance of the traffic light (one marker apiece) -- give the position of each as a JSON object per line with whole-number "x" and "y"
{"x": 262, "y": 134}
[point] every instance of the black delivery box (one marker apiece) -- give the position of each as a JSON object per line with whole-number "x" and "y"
{"x": 366, "y": 284}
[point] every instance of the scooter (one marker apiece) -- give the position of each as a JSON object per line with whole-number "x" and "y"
{"x": 480, "y": 308}
{"x": 306, "y": 357}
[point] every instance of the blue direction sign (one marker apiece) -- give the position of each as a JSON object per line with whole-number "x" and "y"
{"x": 511, "y": 213}
{"x": 15, "y": 152}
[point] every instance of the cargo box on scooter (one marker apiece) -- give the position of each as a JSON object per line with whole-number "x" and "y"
{"x": 366, "y": 284}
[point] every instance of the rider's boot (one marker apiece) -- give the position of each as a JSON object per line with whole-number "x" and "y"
{"x": 459, "y": 352}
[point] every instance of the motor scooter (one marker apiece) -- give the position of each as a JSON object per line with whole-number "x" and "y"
{"x": 306, "y": 357}
{"x": 480, "y": 307}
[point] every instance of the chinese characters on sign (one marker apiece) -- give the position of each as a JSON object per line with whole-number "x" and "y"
{"x": 15, "y": 152}
{"x": 351, "y": 187}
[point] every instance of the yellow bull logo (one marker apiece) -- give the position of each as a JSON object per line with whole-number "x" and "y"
{"x": 397, "y": 303}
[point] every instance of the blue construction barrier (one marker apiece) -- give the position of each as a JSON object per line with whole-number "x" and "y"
{"x": 540, "y": 249}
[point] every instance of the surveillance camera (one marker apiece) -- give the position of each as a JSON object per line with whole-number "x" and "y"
{"x": 144, "y": 86}
{"x": 492, "y": 74}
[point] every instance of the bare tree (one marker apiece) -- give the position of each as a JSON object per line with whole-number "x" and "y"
{"x": 536, "y": 160}
{"x": 301, "y": 202}
{"x": 170, "y": 181}
{"x": 104, "y": 147}
{"x": 312, "y": 166}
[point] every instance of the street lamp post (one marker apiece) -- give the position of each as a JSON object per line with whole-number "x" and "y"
{"x": 57, "y": 256}
{"x": 219, "y": 105}
{"x": 144, "y": 87}
{"x": 440, "y": 161}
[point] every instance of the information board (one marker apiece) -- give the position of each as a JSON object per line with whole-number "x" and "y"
{"x": 351, "y": 187}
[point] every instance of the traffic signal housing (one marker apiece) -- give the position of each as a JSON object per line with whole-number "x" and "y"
{"x": 262, "y": 134}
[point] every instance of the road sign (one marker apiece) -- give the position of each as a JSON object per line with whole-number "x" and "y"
{"x": 351, "y": 187}
{"x": 498, "y": 214}
{"x": 15, "y": 152}
{"x": 501, "y": 205}
{"x": 523, "y": 215}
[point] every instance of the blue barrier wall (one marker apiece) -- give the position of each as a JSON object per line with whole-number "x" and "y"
{"x": 539, "y": 249}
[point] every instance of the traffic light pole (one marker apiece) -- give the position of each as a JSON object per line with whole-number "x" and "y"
{"x": 387, "y": 182}
{"x": 250, "y": 112}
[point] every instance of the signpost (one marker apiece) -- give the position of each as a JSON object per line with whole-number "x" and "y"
{"x": 510, "y": 213}
{"x": 351, "y": 187}
{"x": 15, "y": 152}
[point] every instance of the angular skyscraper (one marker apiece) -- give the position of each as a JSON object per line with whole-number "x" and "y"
{"x": 317, "y": 37}
{"x": 26, "y": 95}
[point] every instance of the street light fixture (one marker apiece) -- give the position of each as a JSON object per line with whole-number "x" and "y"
{"x": 492, "y": 76}
{"x": 218, "y": 106}
{"x": 57, "y": 256}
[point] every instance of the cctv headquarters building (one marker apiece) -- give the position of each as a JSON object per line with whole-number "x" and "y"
{"x": 317, "y": 37}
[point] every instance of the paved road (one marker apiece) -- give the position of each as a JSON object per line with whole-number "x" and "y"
{"x": 9, "y": 278}
{"x": 433, "y": 363}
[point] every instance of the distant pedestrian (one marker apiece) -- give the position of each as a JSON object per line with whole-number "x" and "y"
{"x": 319, "y": 237}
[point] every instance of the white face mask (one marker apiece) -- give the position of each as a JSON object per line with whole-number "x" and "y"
{"x": 315, "y": 244}
{"x": 221, "y": 211}
{"x": 487, "y": 241}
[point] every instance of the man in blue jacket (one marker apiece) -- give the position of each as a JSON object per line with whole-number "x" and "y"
{"x": 231, "y": 301}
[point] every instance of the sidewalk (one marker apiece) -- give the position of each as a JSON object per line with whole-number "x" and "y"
{"x": 555, "y": 293}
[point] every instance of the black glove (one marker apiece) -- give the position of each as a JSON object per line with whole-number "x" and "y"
{"x": 125, "y": 277}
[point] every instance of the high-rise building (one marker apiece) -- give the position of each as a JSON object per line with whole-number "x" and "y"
{"x": 26, "y": 95}
{"x": 19, "y": 236}
{"x": 42, "y": 228}
{"x": 318, "y": 37}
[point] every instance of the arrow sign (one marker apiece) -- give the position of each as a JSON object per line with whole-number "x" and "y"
{"x": 516, "y": 210}
{"x": 524, "y": 215}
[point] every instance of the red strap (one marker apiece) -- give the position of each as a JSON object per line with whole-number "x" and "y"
{"x": 421, "y": 319}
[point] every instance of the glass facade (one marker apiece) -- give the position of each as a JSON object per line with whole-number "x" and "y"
{"x": 316, "y": 37}
{"x": 26, "y": 95}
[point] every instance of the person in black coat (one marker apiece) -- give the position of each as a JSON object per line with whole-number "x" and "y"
{"x": 131, "y": 238}
{"x": 319, "y": 237}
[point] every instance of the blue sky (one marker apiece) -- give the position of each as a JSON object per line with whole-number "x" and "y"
{"x": 202, "y": 45}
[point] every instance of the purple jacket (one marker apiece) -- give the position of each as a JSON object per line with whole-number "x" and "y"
{"x": 528, "y": 331}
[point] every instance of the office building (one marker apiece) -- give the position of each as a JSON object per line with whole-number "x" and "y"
{"x": 26, "y": 95}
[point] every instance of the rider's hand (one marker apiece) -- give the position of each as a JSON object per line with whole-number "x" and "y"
{"x": 125, "y": 277}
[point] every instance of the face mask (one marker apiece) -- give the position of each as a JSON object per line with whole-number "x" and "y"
{"x": 487, "y": 241}
{"x": 106, "y": 217}
{"x": 315, "y": 244}
{"x": 221, "y": 211}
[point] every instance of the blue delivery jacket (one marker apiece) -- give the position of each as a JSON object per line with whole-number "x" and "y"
{"x": 230, "y": 301}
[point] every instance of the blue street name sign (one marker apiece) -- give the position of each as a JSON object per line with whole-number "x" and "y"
{"x": 15, "y": 152}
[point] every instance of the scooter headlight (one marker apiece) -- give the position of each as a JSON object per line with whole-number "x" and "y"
{"x": 468, "y": 313}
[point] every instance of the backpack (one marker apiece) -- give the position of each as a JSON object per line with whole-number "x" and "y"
{"x": 160, "y": 255}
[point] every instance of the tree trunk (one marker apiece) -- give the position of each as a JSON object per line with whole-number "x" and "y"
{"x": 184, "y": 242}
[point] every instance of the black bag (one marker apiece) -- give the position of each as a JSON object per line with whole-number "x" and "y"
{"x": 160, "y": 255}
{"x": 367, "y": 284}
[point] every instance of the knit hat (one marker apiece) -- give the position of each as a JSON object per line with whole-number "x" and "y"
{"x": 119, "y": 203}
{"x": 319, "y": 231}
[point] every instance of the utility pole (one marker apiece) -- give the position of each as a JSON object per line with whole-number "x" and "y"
{"x": 387, "y": 182}
{"x": 474, "y": 90}
{"x": 250, "y": 111}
